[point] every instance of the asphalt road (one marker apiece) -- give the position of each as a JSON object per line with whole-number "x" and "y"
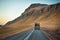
{"x": 29, "y": 35}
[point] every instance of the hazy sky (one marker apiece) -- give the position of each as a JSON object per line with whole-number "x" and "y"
{"x": 11, "y": 9}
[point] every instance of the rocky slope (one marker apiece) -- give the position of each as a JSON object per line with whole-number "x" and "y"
{"x": 46, "y": 15}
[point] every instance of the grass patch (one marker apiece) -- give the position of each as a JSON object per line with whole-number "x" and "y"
{"x": 3, "y": 31}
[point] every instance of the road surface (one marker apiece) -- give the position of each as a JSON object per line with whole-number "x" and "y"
{"x": 29, "y": 35}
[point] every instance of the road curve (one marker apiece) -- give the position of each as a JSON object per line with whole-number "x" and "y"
{"x": 29, "y": 35}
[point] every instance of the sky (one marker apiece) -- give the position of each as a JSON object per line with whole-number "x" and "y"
{"x": 11, "y": 9}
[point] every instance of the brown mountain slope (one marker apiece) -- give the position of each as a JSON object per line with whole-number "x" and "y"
{"x": 42, "y": 13}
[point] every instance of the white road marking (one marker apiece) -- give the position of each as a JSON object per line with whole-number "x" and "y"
{"x": 28, "y": 35}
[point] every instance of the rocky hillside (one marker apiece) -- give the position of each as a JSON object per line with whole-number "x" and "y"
{"x": 47, "y": 15}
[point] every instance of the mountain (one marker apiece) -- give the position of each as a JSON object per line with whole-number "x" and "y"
{"x": 47, "y": 15}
